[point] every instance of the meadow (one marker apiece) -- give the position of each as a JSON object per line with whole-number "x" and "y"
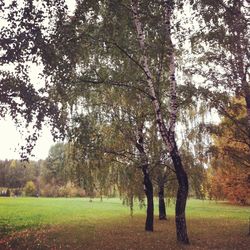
{"x": 77, "y": 223}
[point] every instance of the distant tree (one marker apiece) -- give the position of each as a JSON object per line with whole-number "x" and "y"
{"x": 15, "y": 174}
{"x": 3, "y": 173}
{"x": 8, "y": 193}
{"x": 55, "y": 168}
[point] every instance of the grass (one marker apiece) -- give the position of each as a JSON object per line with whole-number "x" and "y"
{"x": 60, "y": 223}
{"x": 213, "y": 209}
{"x": 21, "y": 213}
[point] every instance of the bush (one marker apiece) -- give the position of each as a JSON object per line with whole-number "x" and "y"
{"x": 80, "y": 192}
{"x": 50, "y": 190}
{"x": 30, "y": 189}
{"x": 70, "y": 191}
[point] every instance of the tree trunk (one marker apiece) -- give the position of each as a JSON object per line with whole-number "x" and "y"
{"x": 148, "y": 188}
{"x": 162, "y": 207}
{"x": 247, "y": 99}
{"x": 167, "y": 133}
{"x": 182, "y": 194}
{"x": 131, "y": 204}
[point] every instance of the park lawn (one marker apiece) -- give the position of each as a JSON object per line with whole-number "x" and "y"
{"x": 61, "y": 223}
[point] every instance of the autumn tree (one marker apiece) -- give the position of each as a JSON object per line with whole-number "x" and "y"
{"x": 229, "y": 174}
{"x": 30, "y": 188}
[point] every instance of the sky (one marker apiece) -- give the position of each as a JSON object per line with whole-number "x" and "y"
{"x": 11, "y": 141}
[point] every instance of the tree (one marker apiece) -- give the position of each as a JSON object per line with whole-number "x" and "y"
{"x": 121, "y": 59}
{"x": 223, "y": 51}
{"x": 55, "y": 168}
{"x": 161, "y": 170}
{"x": 15, "y": 174}
{"x": 149, "y": 81}
{"x": 24, "y": 44}
{"x": 230, "y": 163}
{"x": 121, "y": 137}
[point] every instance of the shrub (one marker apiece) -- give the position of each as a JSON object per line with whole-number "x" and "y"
{"x": 80, "y": 192}
{"x": 69, "y": 190}
{"x": 50, "y": 190}
{"x": 30, "y": 189}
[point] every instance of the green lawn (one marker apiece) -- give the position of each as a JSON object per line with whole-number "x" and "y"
{"x": 46, "y": 223}
{"x": 21, "y": 213}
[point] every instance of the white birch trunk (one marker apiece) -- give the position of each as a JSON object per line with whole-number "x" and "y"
{"x": 159, "y": 118}
{"x": 167, "y": 134}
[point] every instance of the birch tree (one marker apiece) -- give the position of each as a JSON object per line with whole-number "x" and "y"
{"x": 132, "y": 47}
{"x": 167, "y": 131}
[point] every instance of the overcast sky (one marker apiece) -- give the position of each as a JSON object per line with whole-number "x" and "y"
{"x": 11, "y": 141}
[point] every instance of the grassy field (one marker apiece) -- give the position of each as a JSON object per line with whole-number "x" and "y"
{"x": 60, "y": 223}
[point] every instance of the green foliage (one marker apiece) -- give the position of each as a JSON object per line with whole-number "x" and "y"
{"x": 222, "y": 49}
{"x": 15, "y": 174}
{"x": 55, "y": 167}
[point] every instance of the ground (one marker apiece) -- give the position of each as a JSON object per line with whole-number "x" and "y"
{"x": 57, "y": 223}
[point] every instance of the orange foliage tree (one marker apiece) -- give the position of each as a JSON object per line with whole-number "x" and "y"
{"x": 229, "y": 175}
